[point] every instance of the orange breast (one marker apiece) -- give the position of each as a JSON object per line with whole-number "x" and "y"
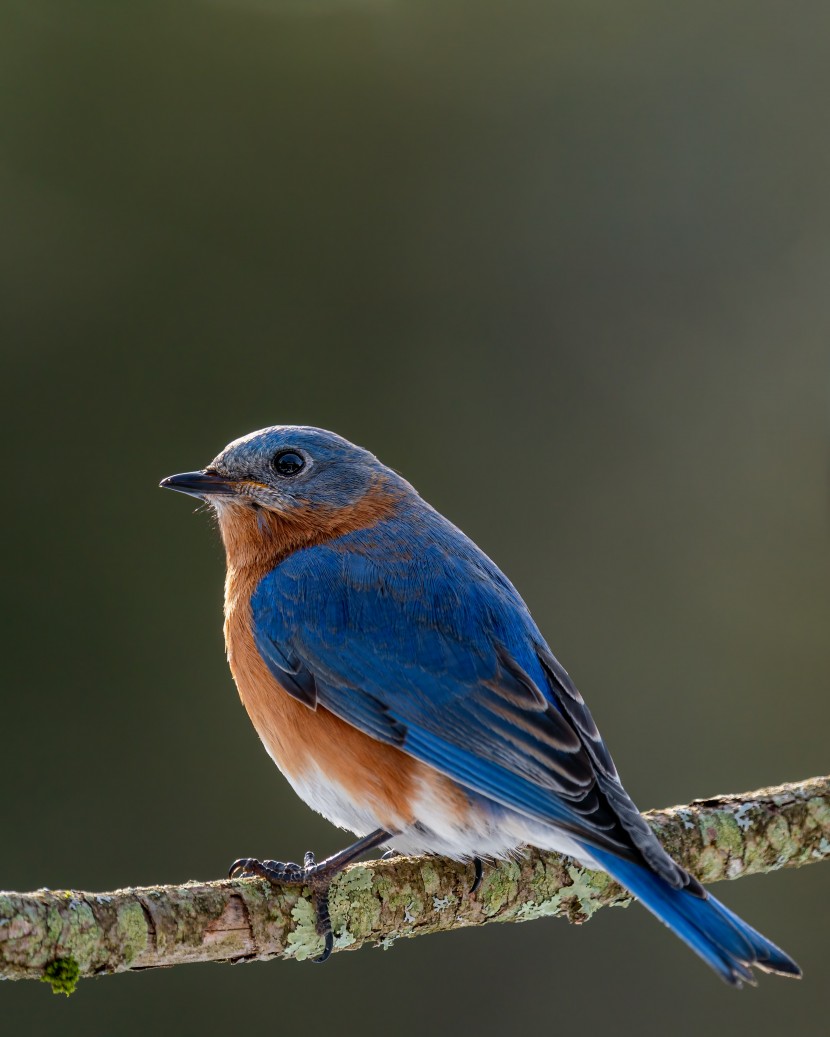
{"x": 298, "y": 738}
{"x": 301, "y": 740}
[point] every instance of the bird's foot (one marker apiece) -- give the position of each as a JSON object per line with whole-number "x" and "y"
{"x": 317, "y": 876}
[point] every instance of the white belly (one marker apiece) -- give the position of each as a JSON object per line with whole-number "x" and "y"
{"x": 488, "y": 830}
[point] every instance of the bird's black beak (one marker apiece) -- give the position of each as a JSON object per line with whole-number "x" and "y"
{"x": 200, "y": 484}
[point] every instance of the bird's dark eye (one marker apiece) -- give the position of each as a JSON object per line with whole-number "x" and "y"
{"x": 287, "y": 462}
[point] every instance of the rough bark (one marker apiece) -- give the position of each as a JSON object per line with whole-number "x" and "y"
{"x": 61, "y": 935}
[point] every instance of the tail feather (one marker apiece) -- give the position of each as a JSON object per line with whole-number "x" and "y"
{"x": 725, "y": 942}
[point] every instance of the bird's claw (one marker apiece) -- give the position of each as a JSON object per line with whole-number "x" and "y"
{"x": 317, "y": 876}
{"x": 281, "y": 873}
{"x": 278, "y": 872}
{"x": 477, "y": 875}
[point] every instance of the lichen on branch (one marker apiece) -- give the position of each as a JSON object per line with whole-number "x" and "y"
{"x": 61, "y": 935}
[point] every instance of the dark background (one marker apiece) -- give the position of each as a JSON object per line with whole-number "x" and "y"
{"x": 565, "y": 265}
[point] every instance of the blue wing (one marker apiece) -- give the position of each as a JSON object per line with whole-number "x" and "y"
{"x": 412, "y": 635}
{"x": 432, "y": 650}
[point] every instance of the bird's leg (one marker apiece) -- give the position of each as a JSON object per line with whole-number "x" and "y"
{"x": 317, "y": 876}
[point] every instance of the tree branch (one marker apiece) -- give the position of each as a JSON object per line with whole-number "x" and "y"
{"x": 59, "y": 935}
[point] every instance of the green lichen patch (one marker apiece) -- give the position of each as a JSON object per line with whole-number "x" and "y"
{"x": 779, "y": 837}
{"x": 131, "y": 931}
{"x": 431, "y": 878}
{"x": 358, "y": 878}
{"x": 404, "y": 902}
{"x": 355, "y": 905}
{"x": 819, "y": 811}
{"x": 723, "y": 843}
{"x": 499, "y": 887}
{"x": 533, "y": 909}
{"x": 587, "y": 892}
{"x": 63, "y": 974}
{"x": 305, "y": 942}
{"x": 721, "y": 828}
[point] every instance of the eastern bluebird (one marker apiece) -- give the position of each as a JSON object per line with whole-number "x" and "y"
{"x": 398, "y": 681}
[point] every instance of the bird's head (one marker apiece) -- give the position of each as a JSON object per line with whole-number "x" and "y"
{"x": 293, "y": 479}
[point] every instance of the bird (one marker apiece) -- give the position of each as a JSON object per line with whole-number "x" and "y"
{"x": 399, "y": 682}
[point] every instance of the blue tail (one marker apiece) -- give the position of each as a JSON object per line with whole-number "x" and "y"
{"x": 725, "y": 942}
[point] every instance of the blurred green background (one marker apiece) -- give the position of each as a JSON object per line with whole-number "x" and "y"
{"x": 565, "y": 265}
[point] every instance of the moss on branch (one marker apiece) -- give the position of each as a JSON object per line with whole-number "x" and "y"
{"x": 61, "y": 935}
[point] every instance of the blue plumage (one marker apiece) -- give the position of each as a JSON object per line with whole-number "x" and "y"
{"x": 367, "y": 605}
{"x": 403, "y": 638}
{"x": 725, "y": 942}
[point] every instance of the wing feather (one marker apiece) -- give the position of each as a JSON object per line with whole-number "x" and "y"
{"x": 464, "y": 683}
